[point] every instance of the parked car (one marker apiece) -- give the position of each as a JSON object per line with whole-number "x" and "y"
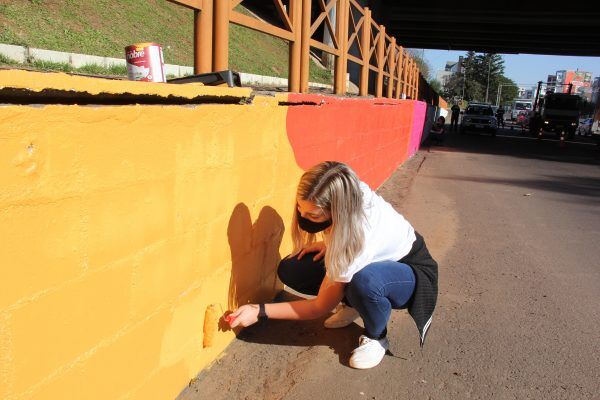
{"x": 585, "y": 126}
{"x": 479, "y": 117}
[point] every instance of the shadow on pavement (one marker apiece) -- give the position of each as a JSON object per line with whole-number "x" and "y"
{"x": 581, "y": 150}
{"x": 271, "y": 357}
{"x": 588, "y": 187}
{"x": 303, "y": 334}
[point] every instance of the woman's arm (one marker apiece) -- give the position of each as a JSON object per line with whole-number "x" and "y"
{"x": 330, "y": 294}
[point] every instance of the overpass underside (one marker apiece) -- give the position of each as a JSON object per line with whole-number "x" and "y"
{"x": 571, "y": 28}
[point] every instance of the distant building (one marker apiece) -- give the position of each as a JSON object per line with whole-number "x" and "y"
{"x": 551, "y": 83}
{"x": 585, "y": 92}
{"x": 452, "y": 67}
{"x": 526, "y": 92}
{"x": 579, "y": 79}
{"x": 596, "y": 90}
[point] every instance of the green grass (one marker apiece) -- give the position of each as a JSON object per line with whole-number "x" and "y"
{"x": 90, "y": 69}
{"x": 94, "y": 69}
{"x": 106, "y": 27}
{"x": 5, "y": 61}
{"x": 50, "y": 66}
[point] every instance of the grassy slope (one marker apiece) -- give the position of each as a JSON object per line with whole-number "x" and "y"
{"x": 105, "y": 27}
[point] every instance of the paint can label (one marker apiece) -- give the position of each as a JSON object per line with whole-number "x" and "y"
{"x": 145, "y": 62}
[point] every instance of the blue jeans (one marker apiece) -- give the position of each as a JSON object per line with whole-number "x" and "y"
{"x": 373, "y": 291}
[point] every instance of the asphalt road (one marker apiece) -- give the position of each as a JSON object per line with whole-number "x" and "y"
{"x": 515, "y": 226}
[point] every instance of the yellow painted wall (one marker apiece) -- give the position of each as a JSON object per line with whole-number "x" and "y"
{"x": 119, "y": 225}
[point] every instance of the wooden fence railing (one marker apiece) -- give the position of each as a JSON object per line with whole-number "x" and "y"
{"x": 355, "y": 37}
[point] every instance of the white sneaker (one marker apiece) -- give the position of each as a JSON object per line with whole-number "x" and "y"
{"x": 344, "y": 316}
{"x": 369, "y": 352}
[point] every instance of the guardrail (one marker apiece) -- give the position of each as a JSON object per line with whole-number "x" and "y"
{"x": 355, "y": 37}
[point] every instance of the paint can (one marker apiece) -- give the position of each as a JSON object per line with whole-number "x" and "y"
{"x": 145, "y": 62}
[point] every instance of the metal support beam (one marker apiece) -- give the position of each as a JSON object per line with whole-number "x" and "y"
{"x": 380, "y": 60}
{"x": 391, "y": 68}
{"x": 365, "y": 44}
{"x": 399, "y": 72}
{"x": 295, "y": 46}
{"x": 203, "y": 38}
{"x": 221, "y": 39}
{"x": 305, "y": 46}
{"x": 341, "y": 61}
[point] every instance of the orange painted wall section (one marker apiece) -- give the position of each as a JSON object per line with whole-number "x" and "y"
{"x": 371, "y": 135}
{"x": 121, "y": 225}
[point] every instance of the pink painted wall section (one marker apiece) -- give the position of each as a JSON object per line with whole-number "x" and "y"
{"x": 419, "y": 114}
{"x": 407, "y": 139}
{"x": 371, "y": 135}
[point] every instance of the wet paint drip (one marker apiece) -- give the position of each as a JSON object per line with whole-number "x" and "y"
{"x": 211, "y": 324}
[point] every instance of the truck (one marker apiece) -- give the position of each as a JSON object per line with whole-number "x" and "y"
{"x": 519, "y": 106}
{"x": 560, "y": 113}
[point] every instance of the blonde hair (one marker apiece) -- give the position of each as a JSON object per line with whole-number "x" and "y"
{"x": 335, "y": 188}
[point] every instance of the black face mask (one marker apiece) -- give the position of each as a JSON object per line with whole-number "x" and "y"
{"x": 310, "y": 226}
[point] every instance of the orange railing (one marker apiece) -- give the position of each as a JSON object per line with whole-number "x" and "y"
{"x": 355, "y": 37}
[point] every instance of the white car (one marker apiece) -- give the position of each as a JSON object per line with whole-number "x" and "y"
{"x": 479, "y": 117}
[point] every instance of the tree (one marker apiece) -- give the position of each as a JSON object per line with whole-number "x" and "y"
{"x": 509, "y": 90}
{"x": 453, "y": 86}
{"x": 464, "y": 85}
{"x": 489, "y": 68}
{"x": 423, "y": 65}
{"x": 436, "y": 85}
{"x": 482, "y": 74}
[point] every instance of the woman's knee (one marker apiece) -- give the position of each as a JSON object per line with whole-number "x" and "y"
{"x": 285, "y": 270}
{"x": 304, "y": 275}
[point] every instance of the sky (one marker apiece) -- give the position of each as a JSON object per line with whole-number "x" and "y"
{"x": 523, "y": 69}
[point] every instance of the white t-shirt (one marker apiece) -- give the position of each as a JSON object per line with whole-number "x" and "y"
{"x": 388, "y": 236}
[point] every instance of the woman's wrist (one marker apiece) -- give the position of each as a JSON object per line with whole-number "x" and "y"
{"x": 262, "y": 312}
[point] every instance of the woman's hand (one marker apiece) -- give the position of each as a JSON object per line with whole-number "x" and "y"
{"x": 317, "y": 246}
{"x": 244, "y": 316}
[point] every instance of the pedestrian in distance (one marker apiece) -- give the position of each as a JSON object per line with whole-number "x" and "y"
{"x": 351, "y": 246}
{"x": 522, "y": 121}
{"x": 500, "y": 116}
{"x": 454, "y": 118}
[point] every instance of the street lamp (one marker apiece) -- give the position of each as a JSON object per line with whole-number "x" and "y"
{"x": 464, "y": 79}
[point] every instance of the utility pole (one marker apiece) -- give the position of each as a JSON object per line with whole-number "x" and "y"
{"x": 487, "y": 87}
{"x": 499, "y": 94}
{"x": 463, "y": 91}
{"x": 464, "y": 68}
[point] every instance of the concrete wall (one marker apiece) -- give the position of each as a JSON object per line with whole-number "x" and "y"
{"x": 120, "y": 225}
